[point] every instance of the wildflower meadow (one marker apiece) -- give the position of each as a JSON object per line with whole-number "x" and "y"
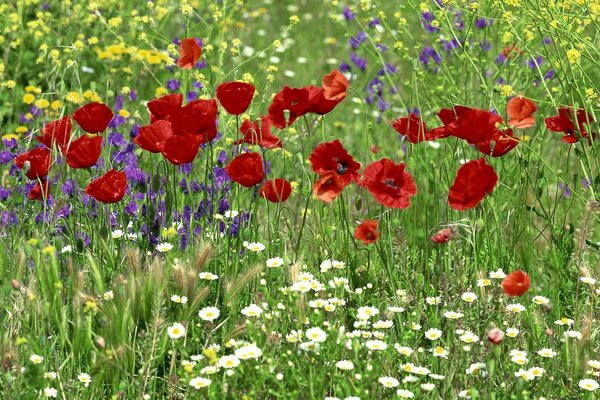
{"x": 277, "y": 199}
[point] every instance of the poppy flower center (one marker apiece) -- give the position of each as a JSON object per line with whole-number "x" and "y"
{"x": 391, "y": 183}
{"x": 342, "y": 167}
{"x": 370, "y": 235}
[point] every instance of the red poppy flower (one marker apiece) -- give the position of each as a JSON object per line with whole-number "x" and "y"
{"x": 39, "y": 192}
{"x": 328, "y": 186}
{"x": 109, "y": 188}
{"x": 276, "y": 190}
{"x": 471, "y": 124}
{"x": 389, "y": 183}
{"x": 189, "y": 53}
{"x": 58, "y": 132}
{"x": 181, "y": 149}
{"x": 296, "y": 101}
{"x": 198, "y": 117}
{"x": 333, "y": 157}
{"x": 152, "y": 136}
{"x": 318, "y": 104}
{"x": 246, "y": 169}
{"x": 563, "y": 122}
{"x": 335, "y": 86}
{"x": 84, "y": 152}
{"x": 516, "y": 283}
{"x": 367, "y": 231}
{"x": 442, "y": 236}
{"x": 38, "y": 161}
{"x": 520, "y": 112}
{"x": 93, "y": 117}
{"x": 162, "y": 107}
{"x": 499, "y": 144}
{"x": 235, "y": 97}
{"x": 416, "y": 130}
{"x": 473, "y": 182}
{"x": 253, "y": 134}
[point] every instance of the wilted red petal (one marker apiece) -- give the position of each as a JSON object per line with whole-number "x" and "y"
{"x": 253, "y": 134}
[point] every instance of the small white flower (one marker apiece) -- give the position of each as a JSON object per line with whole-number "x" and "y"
{"x": 199, "y": 382}
{"x": 34, "y": 358}
{"x": 573, "y": 334}
{"x": 67, "y": 249}
{"x": 209, "y": 313}
{"x": 440, "y": 352}
{"x": 588, "y": 384}
{"x": 50, "y": 392}
{"x": 252, "y": 311}
{"x": 207, "y": 276}
{"x": 541, "y": 300}
{"x": 274, "y": 262}
{"x": 248, "y": 351}
{"x": 388, "y": 381}
{"x": 85, "y": 379}
{"x": 433, "y": 301}
{"x": 228, "y": 362}
{"x": 50, "y": 375}
{"x": 469, "y": 337}
{"x": 376, "y": 345}
{"x": 546, "y": 353}
{"x": 316, "y": 334}
{"x": 588, "y": 280}
{"x": 595, "y": 364}
{"x": 179, "y": 299}
{"x": 108, "y": 295}
{"x": 453, "y": 315}
{"x": 345, "y": 365}
{"x": 164, "y": 247}
{"x": 499, "y": 274}
{"x": 469, "y": 297}
{"x": 433, "y": 334}
{"x": 512, "y": 332}
{"x": 256, "y": 247}
{"x": 176, "y": 331}
{"x": 515, "y": 308}
{"x": 117, "y": 234}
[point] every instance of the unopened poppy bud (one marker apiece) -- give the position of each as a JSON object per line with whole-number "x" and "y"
{"x": 443, "y": 236}
{"x": 100, "y": 342}
{"x": 15, "y": 284}
{"x": 549, "y": 332}
{"x": 496, "y": 336}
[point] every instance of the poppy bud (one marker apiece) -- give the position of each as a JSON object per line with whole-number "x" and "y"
{"x": 442, "y": 236}
{"x": 496, "y": 336}
{"x": 15, "y": 284}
